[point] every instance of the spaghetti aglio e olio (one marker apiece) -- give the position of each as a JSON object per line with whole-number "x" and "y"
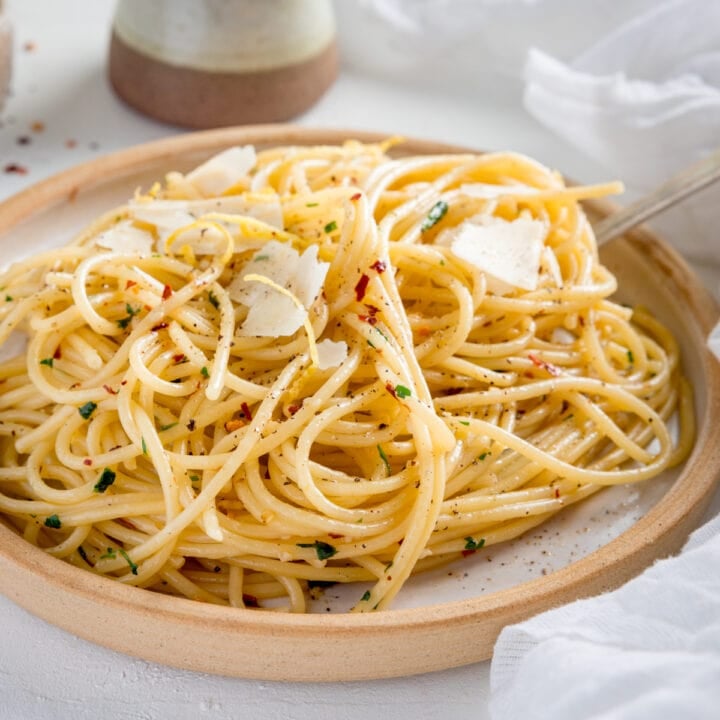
{"x": 319, "y": 365}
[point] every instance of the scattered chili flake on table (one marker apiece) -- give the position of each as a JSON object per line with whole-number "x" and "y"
{"x": 16, "y": 169}
{"x": 24, "y": 140}
{"x": 29, "y": 46}
{"x": 70, "y": 143}
{"x": 38, "y": 126}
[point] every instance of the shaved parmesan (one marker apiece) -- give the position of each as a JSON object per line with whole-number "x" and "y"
{"x": 331, "y": 353}
{"x": 271, "y": 313}
{"x": 508, "y": 252}
{"x": 561, "y": 336}
{"x": 223, "y": 171}
{"x": 125, "y": 237}
{"x": 169, "y": 215}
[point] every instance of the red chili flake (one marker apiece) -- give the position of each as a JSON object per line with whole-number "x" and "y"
{"x": 159, "y": 326}
{"x": 179, "y": 357}
{"x": 147, "y": 307}
{"x": 361, "y": 287}
{"x": 369, "y": 319}
{"x": 292, "y": 409}
{"x": 167, "y": 292}
{"x": 554, "y": 370}
{"x": 38, "y": 126}
{"x": 356, "y": 196}
{"x": 124, "y": 382}
{"x": 246, "y": 411}
{"x": 335, "y": 536}
{"x": 465, "y": 553}
{"x": 108, "y": 389}
{"x": 557, "y": 492}
{"x": 87, "y": 461}
{"x": 29, "y": 46}
{"x": 70, "y": 143}
{"x": 379, "y": 266}
{"x": 454, "y": 391}
{"x": 372, "y": 310}
{"x": 250, "y": 600}
{"x": 129, "y": 284}
{"x": 16, "y": 169}
{"x": 58, "y": 353}
{"x": 391, "y": 389}
{"x": 233, "y": 425}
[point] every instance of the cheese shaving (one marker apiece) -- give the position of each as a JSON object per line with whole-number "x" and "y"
{"x": 223, "y": 170}
{"x": 125, "y": 237}
{"x": 302, "y": 275}
{"x": 331, "y": 353}
{"x": 508, "y": 252}
{"x": 312, "y": 344}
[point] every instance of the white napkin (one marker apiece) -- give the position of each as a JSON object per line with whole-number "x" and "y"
{"x": 644, "y": 101}
{"x": 647, "y": 651}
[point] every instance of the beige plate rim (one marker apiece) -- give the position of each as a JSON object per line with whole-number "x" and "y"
{"x": 400, "y": 642}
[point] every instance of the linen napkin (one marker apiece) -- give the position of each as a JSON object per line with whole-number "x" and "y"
{"x": 646, "y": 651}
{"x": 644, "y": 101}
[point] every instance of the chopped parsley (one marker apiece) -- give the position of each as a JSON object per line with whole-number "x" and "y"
{"x": 323, "y": 550}
{"x": 133, "y": 566}
{"x": 107, "y": 478}
{"x": 330, "y": 227}
{"x": 47, "y": 361}
{"x": 472, "y": 544}
{"x": 384, "y": 458}
{"x": 167, "y": 427}
{"x": 143, "y": 445}
{"x": 194, "y": 478}
{"x": 366, "y": 596}
{"x": 204, "y": 372}
{"x": 53, "y": 521}
{"x": 630, "y": 357}
{"x": 87, "y": 409}
{"x": 483, "y": 455}
{"x": 311, "y": 204}
{"x": 402, "y": 392}
{"x": 261, "y": 257}
{"x": 437, "y": 212}
{"x": 109, "y": 555}
{"x": 464, "y": 422}
{"x": 8, "y": 298}
{"x": 131, "y": 312}
{"x": 213, "y": 299}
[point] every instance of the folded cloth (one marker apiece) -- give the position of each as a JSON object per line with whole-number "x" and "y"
{"x": 646, "y": 651}
{"x": 644, "y": 101}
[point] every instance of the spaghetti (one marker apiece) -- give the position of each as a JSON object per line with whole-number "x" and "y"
{"x": 319, "y": 364}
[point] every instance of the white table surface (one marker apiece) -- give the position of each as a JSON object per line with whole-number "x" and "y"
{"x": 59, "y": 80}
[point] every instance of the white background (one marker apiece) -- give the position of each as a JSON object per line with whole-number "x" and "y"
{"x": 60, "y": 81}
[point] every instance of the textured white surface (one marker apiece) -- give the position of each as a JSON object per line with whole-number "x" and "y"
{"x": 60, "y": 81}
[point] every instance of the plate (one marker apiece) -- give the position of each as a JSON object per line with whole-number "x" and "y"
{"x": 442, "y": 619}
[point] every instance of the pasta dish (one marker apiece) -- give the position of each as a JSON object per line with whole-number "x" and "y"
{"x": 316, "y": 365}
